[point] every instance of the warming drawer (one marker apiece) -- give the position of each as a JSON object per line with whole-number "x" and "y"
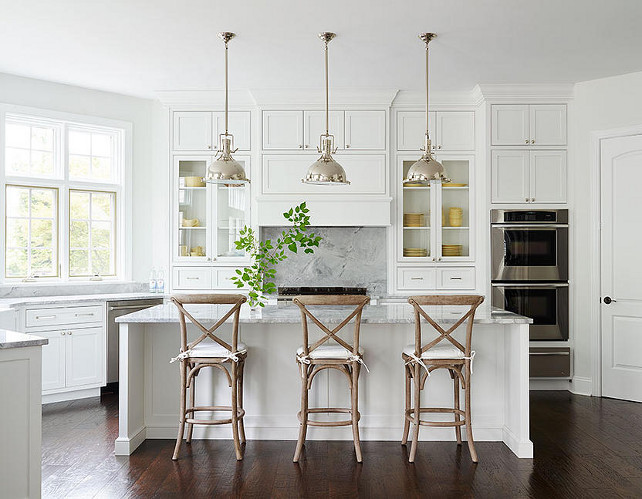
{"x": 550, "y": 362}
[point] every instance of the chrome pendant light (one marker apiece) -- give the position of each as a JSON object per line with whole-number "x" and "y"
{"x": 325, "y": 170}
{"x": 225, "y": 169}
{"x": 427, "y": 169}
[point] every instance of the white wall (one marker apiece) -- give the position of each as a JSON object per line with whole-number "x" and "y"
{"x": 603, "y": 104}
{"x": 150, "y": 226}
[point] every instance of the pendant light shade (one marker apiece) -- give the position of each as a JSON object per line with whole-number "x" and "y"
{"x": 427, "y": 168}
{"x": 326, "y": 170}
{"x": 225, "y": 169}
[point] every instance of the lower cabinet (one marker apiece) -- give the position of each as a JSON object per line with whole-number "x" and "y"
{"x": 431, "y": 278}
{"x": 204, "y": 278}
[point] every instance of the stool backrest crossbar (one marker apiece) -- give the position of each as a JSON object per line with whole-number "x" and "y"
{"x": 359, "y": 301}
{"x": 209, "y": 299}
{"x": 473, "y": 301}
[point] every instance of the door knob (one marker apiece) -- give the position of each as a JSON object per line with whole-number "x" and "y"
{"x": 608, "y": 300}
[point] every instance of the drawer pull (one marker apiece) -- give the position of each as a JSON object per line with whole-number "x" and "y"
{"x": 550, "y": 353}
{"x": 87, "y": 314}
{"x": 416, "y": 278}
{"x": 455, "y": 278}
{"x": 38, "y": 317}
{"x": 192, "y": 278}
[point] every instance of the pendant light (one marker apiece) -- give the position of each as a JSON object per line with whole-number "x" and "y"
{"x": 225, "y": 169}
{"x": 325, "y": 170}
{"x": 427, "y": 168}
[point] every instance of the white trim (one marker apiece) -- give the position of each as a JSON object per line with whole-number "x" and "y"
{"x": 62, "y": 396}
{"x": 549, "y": 384}
{"x": 527, "y": 93}
{"x": 125, "y": 446}
{"x": 582, "y": 386}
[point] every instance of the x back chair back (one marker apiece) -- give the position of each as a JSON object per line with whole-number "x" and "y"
{"x": 442, "y": 352}
{"x": 209, "y": 350}
{"x": 319, "y": 355}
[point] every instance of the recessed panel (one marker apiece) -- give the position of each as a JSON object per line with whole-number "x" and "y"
{"x": 627, "y": 342}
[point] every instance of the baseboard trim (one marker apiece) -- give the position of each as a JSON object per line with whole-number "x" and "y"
{"x": 85, "y": 393}
{"x": 581, "y": 386}
{"x": 550, "y": 384}
{"x": 522, "y": 449}
{"x": 125, "y": 446}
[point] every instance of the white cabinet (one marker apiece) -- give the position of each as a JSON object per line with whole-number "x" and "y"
{"x": 283, "y": 130}
{"x": 193, "y": 278}
{"x": 365, "y": 130}
{"x": 449, "y": 130}
{"x": 314, "y": 126}
{"x": 199, "y": 130}
{"x": 418, "y": 278}
{"x": 535, "y": 124}
{"x": 53, "y": 360}
{"x": 528, "y": 176}
{"x": 83, "y": 347}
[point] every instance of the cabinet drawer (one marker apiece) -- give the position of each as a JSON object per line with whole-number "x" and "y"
{"x": 411, "y": 278}
{"x": 38, "y": 317}
{"x": 457, "y": 278}
{"x": 224, "y": 279}
{"x": 192, "y": 278}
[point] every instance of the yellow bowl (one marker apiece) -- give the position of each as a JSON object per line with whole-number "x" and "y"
{"x": 194, "y": 182}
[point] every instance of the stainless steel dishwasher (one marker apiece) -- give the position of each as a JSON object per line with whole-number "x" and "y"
{"x": 116, "y": 309}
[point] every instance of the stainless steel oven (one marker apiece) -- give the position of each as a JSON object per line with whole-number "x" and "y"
{"x": 545, "y": 303}
{"x": 529, "y": 245}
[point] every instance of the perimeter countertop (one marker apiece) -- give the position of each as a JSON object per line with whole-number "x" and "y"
{"x": 9, "y": 303}
{"x": 382, "y": 313}
{"x": 13, "y": 339}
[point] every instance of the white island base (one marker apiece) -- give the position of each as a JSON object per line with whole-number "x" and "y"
{"x": 149, "y": 384}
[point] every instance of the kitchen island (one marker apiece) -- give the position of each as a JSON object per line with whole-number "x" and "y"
{"x": 149, "y": 384}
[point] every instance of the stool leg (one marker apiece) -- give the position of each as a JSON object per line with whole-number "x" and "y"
{"x": 303, "y": 428}
{"x": 355, "y": 410}
{"x": 181, "y": 425}
{"x": 417, "y": 413}
{"x": 469, "y": 429}
{"x": 241, "y": 420}
{"x": 190, "y": 426}
{"x": 406, "y": 425}
{"x": 235, "y": 419}
{"x": 456, "y": 398}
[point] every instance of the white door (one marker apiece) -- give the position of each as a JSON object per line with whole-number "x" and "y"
{"x": 509, "y": 176}
{"x": 238, "y": 125}
{"x": 621, "y": 240}
{"x": 85, "y": 359}
{"x": 365, "y": 130}
{"x": 548, "y": 176}
{"x": 509, "y": 125}
{"x": 314, "y": 126}
{"x": 282, "y": 129}
{"x": 53, "y": 359}
{"x": 548, "y": 124}
{"x": 456, "y": 131}
{"x": 193, "y": 131}
{"x": 411, "y": 130}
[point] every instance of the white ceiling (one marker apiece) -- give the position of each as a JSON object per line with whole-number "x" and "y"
{"x": 138, "y": 47}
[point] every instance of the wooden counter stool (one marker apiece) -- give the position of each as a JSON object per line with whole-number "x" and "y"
{"x": 421, "y": 359}
{"x": 315, "y": 357}
{"x": 208, "y": 350}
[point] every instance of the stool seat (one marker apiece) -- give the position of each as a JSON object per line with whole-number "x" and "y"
{"x": 211, "y": 349}
{"x": 438, "y": 352}
{"x": 329, "y": 352}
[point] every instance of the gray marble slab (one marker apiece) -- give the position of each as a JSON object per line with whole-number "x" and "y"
{"x": 55, "y": 300}
{"x": 13, "y": 339}
{"x": 288, "y": 313}
{"x": 34, "y": 289}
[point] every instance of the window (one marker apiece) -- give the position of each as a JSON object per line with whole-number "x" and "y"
{"x": 62, "y": 177}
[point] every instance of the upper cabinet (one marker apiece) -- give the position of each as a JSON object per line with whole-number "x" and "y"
{"x": 199, "y": 130}
{"x": 292, "y": 130}
{"x": 533, "y": 125}
{"x": 449, "y": 130}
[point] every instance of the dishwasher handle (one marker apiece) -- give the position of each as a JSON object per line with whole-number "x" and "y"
{"x": 130, "y": 307}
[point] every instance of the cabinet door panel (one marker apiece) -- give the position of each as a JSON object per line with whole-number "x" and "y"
{"x": 411, "y": 129}
{"x": 85, "y": 357}
{"x": 453, "y": 278}
{"x": 509, "y": 177}
{"x": 193, "y": 131}
{"x": 283, "y": 130}
{"x": 456, "y": 131}
{"x": 314, "y": 126}
{"x": 192, "y": 278}
{"x": 238, "y": 126}
{"x": 548, "y": 176}
{"x": 53, "y": 360}
{"x": 509, "y": 125}
{"x": 548, "y": 125}
{"x": 365, "y": 130}
{"x": 416, "y": 278}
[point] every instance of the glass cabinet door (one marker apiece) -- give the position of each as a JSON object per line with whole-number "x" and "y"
{"x": 455, "y": 209}
{"x": 415, "y": 219}
{"x": 193, "y": 210}
{"x": 231, "y": 202}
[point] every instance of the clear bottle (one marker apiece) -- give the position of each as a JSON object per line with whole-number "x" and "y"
{"x": 160, "y": 281}
{"x": 152, "y": 280}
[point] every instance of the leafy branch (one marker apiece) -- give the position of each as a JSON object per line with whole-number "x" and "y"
{"x": 266, "y": 255}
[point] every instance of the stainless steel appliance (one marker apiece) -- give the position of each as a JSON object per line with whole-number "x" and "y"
{"x": 529, "y": 245}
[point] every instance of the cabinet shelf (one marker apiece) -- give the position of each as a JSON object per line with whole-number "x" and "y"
{"x": 192, "y": 188}
{"x": 192, "y": 228}
{"x": 417, "y": 228}
{"x": 455, "y": 228}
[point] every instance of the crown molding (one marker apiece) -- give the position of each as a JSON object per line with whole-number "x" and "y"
{"x": 210, "y": 98}
{"x": 500, "y": 92}
{"x": 454, "y": 99}
{"x": 304, "y": 97}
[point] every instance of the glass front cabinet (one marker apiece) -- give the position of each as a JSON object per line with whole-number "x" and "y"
{"x": 207, "y": 218}
{"x": 435, "y": 221}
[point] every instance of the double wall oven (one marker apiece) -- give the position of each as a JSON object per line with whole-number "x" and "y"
{"x": 529, "y": 252}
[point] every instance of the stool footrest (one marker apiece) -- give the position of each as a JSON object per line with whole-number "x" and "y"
{"x": 410, "y": 416}
{"x": 329, "y": 410}
{"x": 214, "y": 408}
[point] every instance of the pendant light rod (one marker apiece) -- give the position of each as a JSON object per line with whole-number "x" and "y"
{"x": 426, "y": 37}
{"x": 327, "y": 37}
{"x": 226, "y": 36}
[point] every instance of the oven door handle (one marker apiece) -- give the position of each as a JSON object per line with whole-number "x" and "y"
{"x": 530, "y": 226}
{"x": 549, "y": 285}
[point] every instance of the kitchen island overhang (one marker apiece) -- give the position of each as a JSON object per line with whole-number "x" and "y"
{"x": 149, "y": 384}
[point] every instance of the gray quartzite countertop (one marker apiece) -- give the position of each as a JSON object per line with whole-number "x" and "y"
{"x": 386, "y": 313}
{"x": 13, "y": 339}
{"x": 7, "y": 303}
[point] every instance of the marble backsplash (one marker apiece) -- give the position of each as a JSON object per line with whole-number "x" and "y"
{"x": 346, "y": 256}
{"x": 85, "y": 288}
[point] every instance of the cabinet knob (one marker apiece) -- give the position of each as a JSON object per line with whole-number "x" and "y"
{"x": 300, "y": 146}
{"x": 439, "y": 147}
{"x": 532, "y": 200}
{"x": 209, "y": 147}
{"x": 527, "y": 200}
{"x": 307, "y": 146}
{"x": 347, "y": 146}
{"x": 62, "y": 333}
{"x": 527, "y": 141}
{"x": 69, "y": 333}
{"x": 532, "y": 141}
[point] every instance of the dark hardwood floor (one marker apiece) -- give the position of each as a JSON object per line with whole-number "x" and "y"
{"x": 584, "y": 447}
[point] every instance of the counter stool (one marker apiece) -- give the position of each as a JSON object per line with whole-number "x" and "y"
{"x": 208, "y": 350}
{"x": 421, "y": 359}
{"x": 313, "y": 358}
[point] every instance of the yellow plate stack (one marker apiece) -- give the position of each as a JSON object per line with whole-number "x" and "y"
{"x": 451, "y": 249}
{"x": 415, "y": 252}
{"x": 414, "y": 220}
